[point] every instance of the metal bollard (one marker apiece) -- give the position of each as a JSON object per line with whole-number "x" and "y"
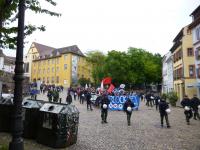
{"x": 60, "y": 100}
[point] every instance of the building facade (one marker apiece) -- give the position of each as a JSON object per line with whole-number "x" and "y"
{"x": 7, "y": 63}
{"x": 195, "y": 28}
{"x": 35, "y": 51}
{"x": 63, "y": 66}
{"x": 167, "y": 73}
{"x": 184, "y": 64}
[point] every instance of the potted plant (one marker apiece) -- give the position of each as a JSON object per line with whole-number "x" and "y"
{"x": 172, "y": 97}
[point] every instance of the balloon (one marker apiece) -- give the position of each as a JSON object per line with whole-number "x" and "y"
{"x": 187, "y": 108}
{"x": 168, "y": 111}
{"x": 104, "y": 106}
{"x": 129, "y": 109}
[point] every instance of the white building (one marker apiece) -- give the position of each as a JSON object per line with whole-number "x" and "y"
{"x": 167, "y": 73}
{"x": 195, "y": 28}
{"x": 7, "y": 63}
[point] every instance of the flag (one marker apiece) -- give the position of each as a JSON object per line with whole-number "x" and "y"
{"x": 107, "y": 80}
{"x": 101, "y": 86}
{"x": 86, "y": 86}
{"x": 111, "y": 88}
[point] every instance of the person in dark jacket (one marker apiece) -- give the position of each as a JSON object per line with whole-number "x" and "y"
{"x": 186, "y": 103}
{"x": 88, "y": 99}
{"x": 69, "y": 98}
{"x": 195, "y": 102}
{"x": 104, "y": 108}
{"x": 157, "y": 99}
{"x": 128, "y": 105}
{"x": 163, "y": 106}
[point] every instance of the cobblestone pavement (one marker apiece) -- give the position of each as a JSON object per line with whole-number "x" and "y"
{"x": 144, "y": 133}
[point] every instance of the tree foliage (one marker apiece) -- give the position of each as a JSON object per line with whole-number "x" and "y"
{"x": 97, "y": 59}
{"x": 134, "y": 67}
{"x": 9, "y": 15}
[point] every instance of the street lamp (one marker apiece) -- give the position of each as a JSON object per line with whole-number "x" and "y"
{"x": 17, "y": 125}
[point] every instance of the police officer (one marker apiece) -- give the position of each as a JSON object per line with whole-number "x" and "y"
{"x": 128, "y": 105}
{"x": 157, "y": 99}
{"x": 104, "y": 108}
{"x": 69, "y": 98}
{"x": 186, "y": 103}
{"x": 163, "y": 106}
{"x": 195, "y": 103}
{"x": 88, "y": 99}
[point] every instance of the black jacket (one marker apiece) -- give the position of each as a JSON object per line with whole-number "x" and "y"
{"x": 69, "y": 99}
{"x": 186, "y": 102}
{"x": 105, "y": 100}
{"x": 163, "y": 105}
{"x": 88, "y": 97}
{"x": 128, "y": 103}
{"x": 195, "y": 102}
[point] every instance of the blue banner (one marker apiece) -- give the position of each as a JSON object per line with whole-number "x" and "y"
{"x": 117, "y": 102}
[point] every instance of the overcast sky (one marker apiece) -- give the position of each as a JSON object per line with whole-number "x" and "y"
{"x": 113, "y": 24}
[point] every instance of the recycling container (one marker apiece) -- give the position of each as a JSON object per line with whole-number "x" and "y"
{"x": 30, "y": 110}
{"x": 58, "y": 125}
{"x": 6, "y": 111}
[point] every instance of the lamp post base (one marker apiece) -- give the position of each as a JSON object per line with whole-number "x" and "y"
{"x": 16, "y": 145}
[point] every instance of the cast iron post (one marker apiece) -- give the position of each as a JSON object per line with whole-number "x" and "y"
{"x": 17, "y": 128}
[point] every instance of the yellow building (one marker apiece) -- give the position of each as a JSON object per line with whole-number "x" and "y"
{"x": 184, "y": 64}
{"x": 62, "y": 66}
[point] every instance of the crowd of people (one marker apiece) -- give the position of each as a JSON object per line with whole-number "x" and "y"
{"x": 191, "y": 106}
{"x": 102, "y": 101}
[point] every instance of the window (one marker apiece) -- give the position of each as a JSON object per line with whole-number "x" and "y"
{"x": 197, "y": 53}
{"x": 191, "y": 70}
{"x": 48, "y": 70}
{"x": 43, "y": 79}
{"x": 26, "y": 67}
{"x": 43, "y": 71}
{"x": 198, "y": 71}
{"x": 48, "y": 62}
{"x": 52, "y": 69}
{"x": 44, "y": 62}
{"x": 198, "y": 33}
{"x": 47, "y": 79}
{"x": 65, "y": 66}
{"x": 65, "y": 57}
{"x": 57, "y": 60}
{"x": 57, "y": 79}
{"x": 57, "y": 69}
{"x": 52, "y": 80}
{"x": 190, "y": 52}
{"x": 52, "y": 61}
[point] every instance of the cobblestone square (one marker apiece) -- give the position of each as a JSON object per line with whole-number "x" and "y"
{"x": 144, "y": 133}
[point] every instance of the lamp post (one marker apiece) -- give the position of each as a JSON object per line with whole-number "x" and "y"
{"x": 17, "y": 125}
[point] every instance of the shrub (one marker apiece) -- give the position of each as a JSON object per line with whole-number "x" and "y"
{"x": 164, "y": 96}
{"x": 173, "y": 98}
{"x": 3, "y": 147}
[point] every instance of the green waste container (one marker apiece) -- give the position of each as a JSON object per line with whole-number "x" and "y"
{"x": 6, "y": 110}
{"x": 58, "y": 126}
{"x": 30, "y": 109}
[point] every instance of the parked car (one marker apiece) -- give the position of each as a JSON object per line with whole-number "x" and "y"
{"x": 93, "y": 97}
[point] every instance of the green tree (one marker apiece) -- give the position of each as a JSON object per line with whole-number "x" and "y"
{"x": 97, "y": 59}
{"x": 83, "y": 81}
{"x": 9, "y": 14}
{"x": 116, "y": 66}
